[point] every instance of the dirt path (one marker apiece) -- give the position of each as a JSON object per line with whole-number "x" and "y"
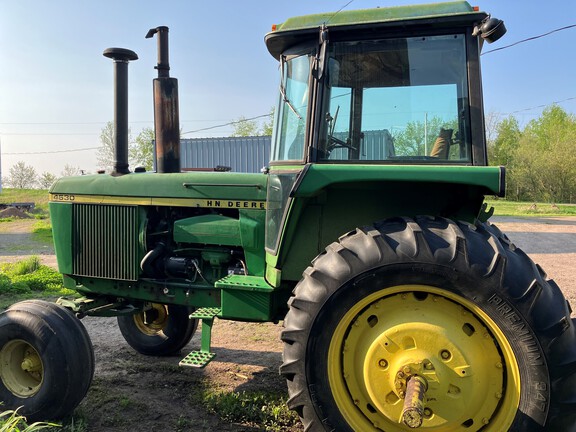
{"x": 155, "y": 394}
{"x": 17, "y": 243}
{"x": 133, "y": 392}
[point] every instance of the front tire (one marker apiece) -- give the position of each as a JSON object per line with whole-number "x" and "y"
{"x": 454, "y": 304}
{"x": 162, "y": 330}
{"x": 46, "y": 360}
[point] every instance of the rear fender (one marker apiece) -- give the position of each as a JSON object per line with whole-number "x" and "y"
{"x": 331, "y": 200}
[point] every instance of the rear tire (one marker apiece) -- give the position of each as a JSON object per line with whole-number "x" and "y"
{"x": 46, "y": 360}
{"x": 454, "y": 303}
{"x": 163, "y": 330}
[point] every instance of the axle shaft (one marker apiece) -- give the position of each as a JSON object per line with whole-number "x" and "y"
{"x": 413, "y": 410}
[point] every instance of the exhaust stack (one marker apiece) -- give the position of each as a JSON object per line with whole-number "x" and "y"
{"x": 166, "y": 117}
{"x": 121, "y": 57}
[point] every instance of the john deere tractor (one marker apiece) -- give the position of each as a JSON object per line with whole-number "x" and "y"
{"x": 367, "y": 236}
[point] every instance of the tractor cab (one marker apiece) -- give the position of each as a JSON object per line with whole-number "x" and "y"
{"x": 390, "y": 86}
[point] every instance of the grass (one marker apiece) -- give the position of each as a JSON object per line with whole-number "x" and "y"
{"x": 530, "y": 209}
{"x": 265, "y": 409}
{"x": 42, "y": 231}
{"x": 27, "y": 279}
{"x": 11, "y": 421}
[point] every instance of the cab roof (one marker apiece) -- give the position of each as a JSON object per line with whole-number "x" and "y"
{"x": 298, "y": 29}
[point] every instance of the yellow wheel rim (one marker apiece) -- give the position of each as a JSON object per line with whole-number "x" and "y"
{"x": 153, "y": 321}
{"x": 21, "y": 368}
{"x": 472, "y": 377}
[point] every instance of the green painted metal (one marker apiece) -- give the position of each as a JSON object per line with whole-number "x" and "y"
{"x": 383, "y": 14}
{"x": 229, "y": 189}
{"x": 61, "y": 215}
{"x": 246, "y": 297}
{"x": 252, "y": 227}
{"x": 197, "y": 359}
{"x": 206, "y": 313}
{"x": 100, "y": 306}
{"x": 200, "y": 359}
{"x": 244, "y": 283}
{"x": 208, "y": 229}
{"x": 154, "y": 291}
{"x": 318, "y": 177}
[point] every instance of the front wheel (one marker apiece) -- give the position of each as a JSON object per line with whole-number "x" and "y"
{"x": 429, "y": 324}
{"x": 46, "y": 360}
{"x": 160, "y": 330}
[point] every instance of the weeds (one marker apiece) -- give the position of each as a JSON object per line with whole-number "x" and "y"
{"x": 262, "y": 408}
{"x": 27, "y": 266}
{"x": 29, "y": 278}
{"x": 29, "y": 275}
{"x": 11, "y": 421}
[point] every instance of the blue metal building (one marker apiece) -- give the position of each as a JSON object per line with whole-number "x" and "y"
{"x": 241, "y": 154}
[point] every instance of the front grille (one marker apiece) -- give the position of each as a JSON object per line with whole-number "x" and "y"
{"x": 105, "y": 241}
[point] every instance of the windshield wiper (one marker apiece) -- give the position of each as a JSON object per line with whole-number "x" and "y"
{"x": 287, "y": 102}
{"x": 283, "y": 90}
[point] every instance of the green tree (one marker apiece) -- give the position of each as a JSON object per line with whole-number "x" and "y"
{"x": 105, "y": 154}
{"x": 70, "y": 170}
{"x": 22, "y": 176}
{"x": 142, "y": 150}
{"x": 491, "y": 122}
{"x": 244, "y": 128}
{"x": 544, "y": 165}
{"x": 268, "y": 125}
{"x": 504, "y": 146}
{"x": 46, "y": 180}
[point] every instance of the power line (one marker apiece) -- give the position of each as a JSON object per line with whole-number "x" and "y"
{"x": 530, "y": 39}
{"x": 226, "y": 124}
{"x": 48, "y": 134}
{"x": 54, "y": 151}
{"x": 543, "y": 106}
{"x": 94, "y": 123}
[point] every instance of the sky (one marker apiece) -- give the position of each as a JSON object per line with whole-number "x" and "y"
{"x": 56, "y": 88}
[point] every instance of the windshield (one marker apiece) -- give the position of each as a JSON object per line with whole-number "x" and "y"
{"x": 292, "y": 109}
{"x": 400, "y": 100}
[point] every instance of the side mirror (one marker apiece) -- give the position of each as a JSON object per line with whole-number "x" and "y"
{"x": 490, "y": 29}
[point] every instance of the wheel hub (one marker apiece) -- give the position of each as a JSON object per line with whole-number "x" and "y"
{"x": 153, "y": 320}
{"x": 21, "y": 368}
{"x": 420, "y": 360}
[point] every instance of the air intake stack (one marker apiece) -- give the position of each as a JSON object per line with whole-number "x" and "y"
{"x": 121, "y": 57}
{"x": 166, "y": 117}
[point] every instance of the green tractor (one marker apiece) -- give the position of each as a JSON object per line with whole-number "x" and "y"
{"x": 403, "y": 307}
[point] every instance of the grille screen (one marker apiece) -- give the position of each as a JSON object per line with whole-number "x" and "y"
{"x": 106, "y": 241}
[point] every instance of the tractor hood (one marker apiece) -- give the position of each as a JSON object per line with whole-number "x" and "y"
{"x": 204, "y": 189}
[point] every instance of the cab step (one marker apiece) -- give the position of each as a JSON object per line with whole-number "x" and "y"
{"x": 197, "y": 359}
{"x": 200, "y": 359}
